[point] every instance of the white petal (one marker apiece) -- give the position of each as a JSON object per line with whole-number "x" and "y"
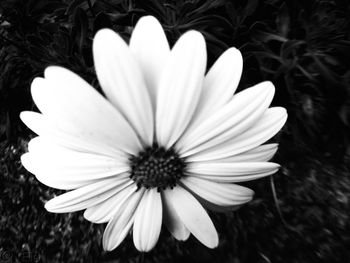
{"x": 231, "y": 120}
{"x": 87, "y": 196}
{"x": 235, "y": 178}
{"x": 220, "y": 84}
{"x": 214, "y": 207}
{"x": 122, "y": 221}
{"x": 232, "y": 172}
{"x": 173, "y": 221}
{"x": 262, "y": 153}
{"x": 63, "y": 168}
{"x": 193, "y": 215}
{"x": 39, "y": 124}
{"x": 122, "y": 81}
{"x": 150, "y": 46}
{"x": 106, "y": 210}
{"x": 148, "y": 221}
{"x": 238, "y": 169}
{"x": 265, "y": 128}
{"x": 67, "y": 176}
{"x": 221, "y": 194}
{"x": 180, "y": 87}
{"x": 73, "y": 106}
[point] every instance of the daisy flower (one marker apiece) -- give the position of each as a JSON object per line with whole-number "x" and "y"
{"x": 166, "y": 142}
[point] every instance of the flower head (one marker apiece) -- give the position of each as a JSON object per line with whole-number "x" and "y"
{"x": 165, "y": 143}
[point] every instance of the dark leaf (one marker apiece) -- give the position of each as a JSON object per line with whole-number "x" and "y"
{"x": 250, "y": 8}
{"x": 80, "y": 28}
{"x": 283, "y": 20}
{"x": 101, "y": 21}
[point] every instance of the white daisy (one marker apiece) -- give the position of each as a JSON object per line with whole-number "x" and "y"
{"x": 166, "y": 141}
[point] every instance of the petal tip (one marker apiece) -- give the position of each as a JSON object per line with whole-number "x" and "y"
{"x": 106, "y": 38}
{"x": 24, "y": 115}
{"x": 281, "y": 113}
{"x": 51, "y": 71}
{"x": 104, "y": 32}
{"x": 194, "y": 36}
{"x": 106, "y": 245}
{"x": 214, "y": 243}
{"x": 144, "y": 248}
{"x": 49, "y": 207}
{"x": 148, "y": 20}
{"x": 88, "y": 216}
{"x": 235, "y": 52}
{"x": 270, "y": 86}
{"x": 24, "y": 159}
{"x": 266, "y": 86}
{"x": 250, "y": 194}
{"x": 36, "y": 85}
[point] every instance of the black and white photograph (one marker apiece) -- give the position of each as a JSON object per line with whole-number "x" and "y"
{"x": 174, "y": 131}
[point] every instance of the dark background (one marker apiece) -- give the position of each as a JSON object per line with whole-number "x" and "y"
{"x": 301, "y": 214}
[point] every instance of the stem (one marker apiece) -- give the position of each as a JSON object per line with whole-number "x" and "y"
{"x": 142, "y": 258}
{"x": 90, "y": 7}
{"x": 275, "y": 198}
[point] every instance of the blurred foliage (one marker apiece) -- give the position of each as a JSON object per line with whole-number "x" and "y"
{"x": 306, "y": 220}
{"x": 302, "y": 46}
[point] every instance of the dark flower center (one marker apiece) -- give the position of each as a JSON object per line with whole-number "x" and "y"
{"x": 157, "y": 167}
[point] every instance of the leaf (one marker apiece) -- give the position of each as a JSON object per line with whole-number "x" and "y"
{"x": 101, "y": 21}
{"x": 47, "y": 7}
{"x": 289, "y": 47}
{"x": 283, "y": 20}
{"x": 4, "y": 122}
{"x": 305, "y": 73}
{"x": 250, "y": 7}
{"x": 73, "y": 5}
{"x": 154, "y": 7}
{"x": 344, "y": 113}
{"x": 81, "y": 27}
{"x": 259, "y": 32}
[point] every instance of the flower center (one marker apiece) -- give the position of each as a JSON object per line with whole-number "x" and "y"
{"x": 157, "y": 167}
